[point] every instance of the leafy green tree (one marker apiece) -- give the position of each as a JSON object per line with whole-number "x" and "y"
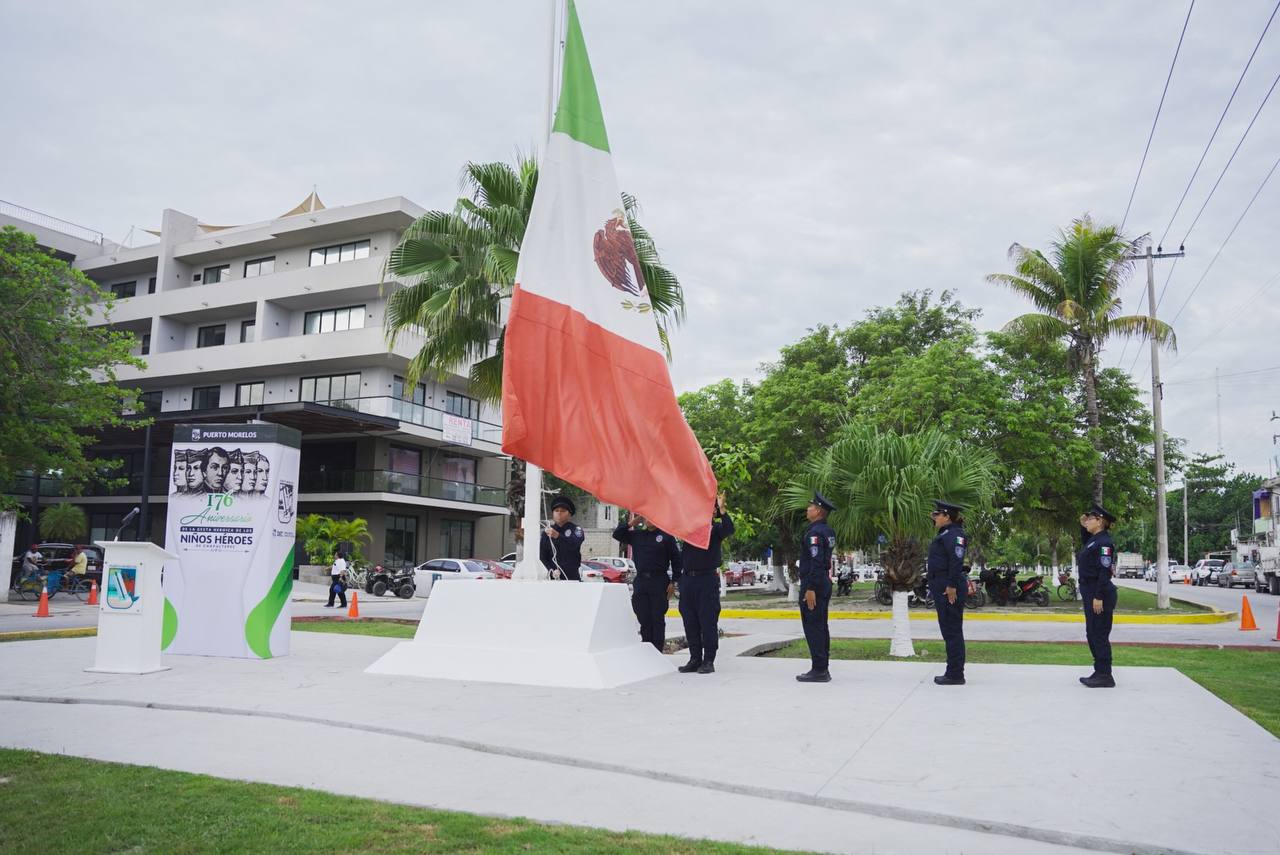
{"x": 63, "y": 522}
{"x": 459, "y": 266}
{"x": 1218, "y": 499}
{"x": 59, "y": 372}
{"x": 884, "y": 484}
{"x": 1077, "y": 294}
{"x": 323, "y": 536}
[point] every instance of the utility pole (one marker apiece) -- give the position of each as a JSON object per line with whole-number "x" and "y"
{"x": 1185, "y": 554}
{"x": 1157, "y": 418}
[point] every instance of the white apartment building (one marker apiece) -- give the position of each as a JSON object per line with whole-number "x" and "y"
{"x": 282, "y": 321}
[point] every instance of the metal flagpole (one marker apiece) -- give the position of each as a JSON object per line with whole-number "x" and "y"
{"x": 530, "y": 567}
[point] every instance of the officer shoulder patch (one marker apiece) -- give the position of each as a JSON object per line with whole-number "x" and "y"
{"x": 959, "y": 552}
{"x": 581, "y": 534}
{"x": 1106, "y": 550}
{"x": 1105, "y": 560}
{"x": 960, "y": 539}
{"x": 814, "y": 540}
{"x": 659, "y": 538}
{"x": 831, "y": 541}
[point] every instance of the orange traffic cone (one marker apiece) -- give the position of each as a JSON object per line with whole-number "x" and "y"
{"x": 1246, "y": 615}
{"x": 1186, "y": 579}
{"x": 1277, "y": 638}
{"x": 354, "y": 610}
{"x": 93, "y": 594}
{"x": 42, "y": 610}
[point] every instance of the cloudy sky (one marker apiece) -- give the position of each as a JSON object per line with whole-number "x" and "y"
{"x": 797, "y": 163}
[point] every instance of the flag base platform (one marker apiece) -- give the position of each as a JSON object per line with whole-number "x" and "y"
{"x": 576, "y": 635}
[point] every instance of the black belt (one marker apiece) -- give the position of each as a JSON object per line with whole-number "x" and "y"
{"x": 698, "y": 572}
{"x": 657, "y": 574}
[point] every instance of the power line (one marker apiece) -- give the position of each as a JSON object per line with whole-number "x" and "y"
{"x": 1232, "y": 315}
{"x": 1195, "y": 172}
{"x": 1218, "y": 126}
{"x": 1210, "y": 377}
{"x": 1156, "y": 120}
{"x": 1217, "y": 254}
{"x": 1239, "y": 220}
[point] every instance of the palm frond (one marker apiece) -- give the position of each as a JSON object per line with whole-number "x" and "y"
{"x": 1144, "y": 327}
{"x": 1038, "y": 326}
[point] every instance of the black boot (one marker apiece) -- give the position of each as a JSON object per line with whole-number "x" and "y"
{"x": 948, "y": 680}
{"x": 1100, "y": 681}
{"x": 689, "y": 667}
{"x": 814, "y": 677}
{"x": 1085, "y": 680}
{"x": 707, "y": 668}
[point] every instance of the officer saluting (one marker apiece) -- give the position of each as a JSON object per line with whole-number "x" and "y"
{"x": 947, "y": 583}
{"x": 560, "y": 548}
{"x": 653, "y": 551}
{"x": 700, "y": 594}
{"x": 1096, "y": 560}
{"x": 815, "y": 587}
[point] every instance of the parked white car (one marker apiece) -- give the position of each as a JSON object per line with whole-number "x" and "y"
{"x": 439, "y": 569}
{"x": 1178, "y": 572}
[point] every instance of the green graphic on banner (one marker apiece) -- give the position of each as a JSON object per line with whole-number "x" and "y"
{"x": 170, "y": 628}
{"x": 257, "y": 627}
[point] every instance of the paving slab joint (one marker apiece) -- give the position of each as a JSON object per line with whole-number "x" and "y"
{"x": 887, "y": 811}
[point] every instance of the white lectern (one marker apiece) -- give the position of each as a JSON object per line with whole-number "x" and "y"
{"x": 572, "y": 634}
{"x": 130, "y": 608}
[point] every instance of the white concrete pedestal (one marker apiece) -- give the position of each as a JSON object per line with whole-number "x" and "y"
{"x": 568, "y": 634}
{"x": 130, "y": 623}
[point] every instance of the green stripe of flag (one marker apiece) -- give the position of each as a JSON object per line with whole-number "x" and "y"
{"x": 578, "y": 112}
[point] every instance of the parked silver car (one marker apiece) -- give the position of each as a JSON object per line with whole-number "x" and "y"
{"x": 1238, "y": 573}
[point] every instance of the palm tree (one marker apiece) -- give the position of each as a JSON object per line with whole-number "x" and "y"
{"x": 1078, "y": 294}
{"x": 884, "y": 484}
{"x": 459, "y": 266}
{"x": 63, "y": 521}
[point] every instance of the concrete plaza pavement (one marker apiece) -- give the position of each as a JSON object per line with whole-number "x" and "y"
{"x": 880, "y": 760}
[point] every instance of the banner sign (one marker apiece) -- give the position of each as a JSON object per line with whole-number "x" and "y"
{"x": 456, "y": 429}
{"x": 232, "y": 519}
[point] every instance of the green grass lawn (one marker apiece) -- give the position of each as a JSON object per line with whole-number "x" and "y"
{"x": 55, "y": 804}
{"x": 1249, "y": 680}
{"x": 1129, "y": 601}
{"x": 364, "y": 626}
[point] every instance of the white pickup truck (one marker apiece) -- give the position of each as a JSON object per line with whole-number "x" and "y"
{"x": 1129, "y": 565}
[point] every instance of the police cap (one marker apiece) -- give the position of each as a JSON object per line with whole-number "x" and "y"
{"x": 563, "y": 501}
{"x": 951, "y": 509}
{"x": 1096, "y": 510}
{"x": 822, "y": 502}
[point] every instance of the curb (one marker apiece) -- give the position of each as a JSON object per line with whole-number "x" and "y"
{"x": 1213, "y": 617}
{"x": 42, "y": 634}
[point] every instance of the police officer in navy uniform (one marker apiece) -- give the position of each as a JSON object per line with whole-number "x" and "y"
{"x": 700, "y": 594}
{"x": 654, "y": 553}
{"x": 560, "y": 549}
{"x": 949, "y": 584}
{"x": 1096, "y": 560}
{"x": 815, "y": 587}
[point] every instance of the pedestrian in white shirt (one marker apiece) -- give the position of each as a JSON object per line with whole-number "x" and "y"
{"x": 336, "y": 588}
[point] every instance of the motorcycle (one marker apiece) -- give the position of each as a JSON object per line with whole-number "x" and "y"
{"x": 920, "y": 595}
{"x": 975, "y": 598}
{"x": 844, "y": 582}
{"x": 1004, "y": 589}
{"x": 381, "y": 580}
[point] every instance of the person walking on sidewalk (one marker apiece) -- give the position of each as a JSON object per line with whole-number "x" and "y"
{"x": 815, "y": 588}
{"x": 948, "y": 583}
{"x": 655, "y": 553}
{"x": 336, "y": 586}
{"x": 700, "y": 594}
{"x": 1096, "y": 560}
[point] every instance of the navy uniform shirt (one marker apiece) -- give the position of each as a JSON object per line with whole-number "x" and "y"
{"x": 652, "y": 550}
{"x": 815, "y": 554}
{"x": 709, "y": 558}
{"x": 565, "y": 549}
{"x": 1096, "y": 561}
{"x": 946, "y": 555}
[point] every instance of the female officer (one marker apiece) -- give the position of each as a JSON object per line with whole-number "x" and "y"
{"x": 1096, "y": 559}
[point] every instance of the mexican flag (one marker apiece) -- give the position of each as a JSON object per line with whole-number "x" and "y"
{"x": 586, "y": 393}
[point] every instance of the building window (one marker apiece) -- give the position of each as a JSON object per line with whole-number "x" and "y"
{"x": 335, "y": 389}
{"x": 125, "y": 289}
{"x": 402, "y": 541}
{"x": 457, "y": 538}
{"x": 334, "y": 320}
{"x": 102, "y": 526}
{"x": 211, "y": 336}
{"x": 341, "y": 252}
{"x": 214, "y": 275}
{"x": 146, "y": 344}
{"x": 407, "y": 404}
{"x": 461, "y": 405}
{"x": 249, "y": 394}
{"x": 205, "y": 397}
{"x": 150, "y": 402}
{"x": 151, "y": 285}
{"x": 259, "y": 267}
{"x": 247, "y": 331}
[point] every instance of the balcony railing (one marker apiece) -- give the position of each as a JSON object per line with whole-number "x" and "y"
{"x": 384, "y": 481}
{"x": 51, "y": 485}
{"x": 49, "y": 222}
{"x": 417, "y": 414}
